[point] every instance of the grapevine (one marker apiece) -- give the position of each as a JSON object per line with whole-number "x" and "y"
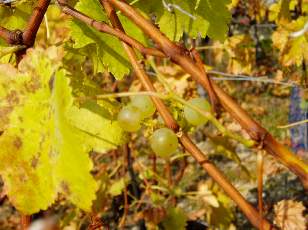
{"x": 95, "y": 110}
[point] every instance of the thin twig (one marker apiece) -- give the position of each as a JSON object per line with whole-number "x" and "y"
{"x": 181, "y": 170}
{"x": 212, "y": 95}
{"x": 260, "y": 163}
{"x": 293, "y": 124}
{"x": 125, "y": 169}
{"x": 25, "y": 221}
{"x": 96, "y": 222}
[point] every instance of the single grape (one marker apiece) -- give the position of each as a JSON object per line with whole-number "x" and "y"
{"x": 130, "y": 118}
{"x": 164, "y": 142}
{"x": 192, "y": 116}
{"x": 145, "y": 104}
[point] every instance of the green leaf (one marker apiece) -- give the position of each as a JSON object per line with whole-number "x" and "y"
{"x": 201, "y": 17}
{"x": 45, "y": 152}
{"x": 176, "y": 219}
{"x": 16, "y": 18}
{"x": 106, "y": 51}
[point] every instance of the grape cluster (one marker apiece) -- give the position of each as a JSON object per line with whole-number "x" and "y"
{"x": 131, "y": 116}
{"x": 164, "y": 141}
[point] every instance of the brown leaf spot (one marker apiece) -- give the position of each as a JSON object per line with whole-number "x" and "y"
{"x": 33, "y": 85}
{"x": 35, "y": 160}
{"x": 12, "y": 97}
{"x": 17, "y": 142}
{"x": 4, "y": 119}
{"x": 65, "y": 187}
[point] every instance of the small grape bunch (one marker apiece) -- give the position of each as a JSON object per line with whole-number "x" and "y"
{"x": 131, "y": 116}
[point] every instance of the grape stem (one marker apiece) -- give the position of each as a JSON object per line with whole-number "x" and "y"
{"x": 173, "y": 96}
{"x": 216, "y": 123}
{"x": 124, "y": 94}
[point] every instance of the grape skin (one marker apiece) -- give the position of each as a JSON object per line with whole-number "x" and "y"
{"x": 145, "y": 104}
{"x": 130, "y": 118}
{"x": 164, "y": 142}
{"x": 192, "y": 116}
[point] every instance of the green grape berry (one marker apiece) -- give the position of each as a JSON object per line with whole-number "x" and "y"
{"x": 164, "y": 142}
{"x": 130, "y": 118}
{"x": 145, "y": 104}
{"x": 192, "y": 116}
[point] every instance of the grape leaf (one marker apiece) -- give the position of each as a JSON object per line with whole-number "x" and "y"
{"x": 16, "y": 18}
{"x": 107, "y": 53}
{"x": 292, "y": 50}
{"x": 106, "y": 134}
{"x": 45, "y": 151}
{"x": 202, "y": 17}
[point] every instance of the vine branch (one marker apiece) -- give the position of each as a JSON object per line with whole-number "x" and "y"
{"x": 212, "y": 95}
{"x": 105, "y": 28}
{"x": 34, "y": 22}
{"x": 11, "y": 37}
{"x": 250, "y": 212}
{"x": 180, "y": 56}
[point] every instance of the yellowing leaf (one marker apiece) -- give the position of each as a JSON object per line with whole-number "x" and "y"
{"x": 292, "y": 50}
{"x": 42, "y": 152}
{"x": 106, "y": 134}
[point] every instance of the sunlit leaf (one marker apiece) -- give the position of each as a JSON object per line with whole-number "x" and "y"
{"x": 204, "y": 17}
{"x": 45, "y": 152}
